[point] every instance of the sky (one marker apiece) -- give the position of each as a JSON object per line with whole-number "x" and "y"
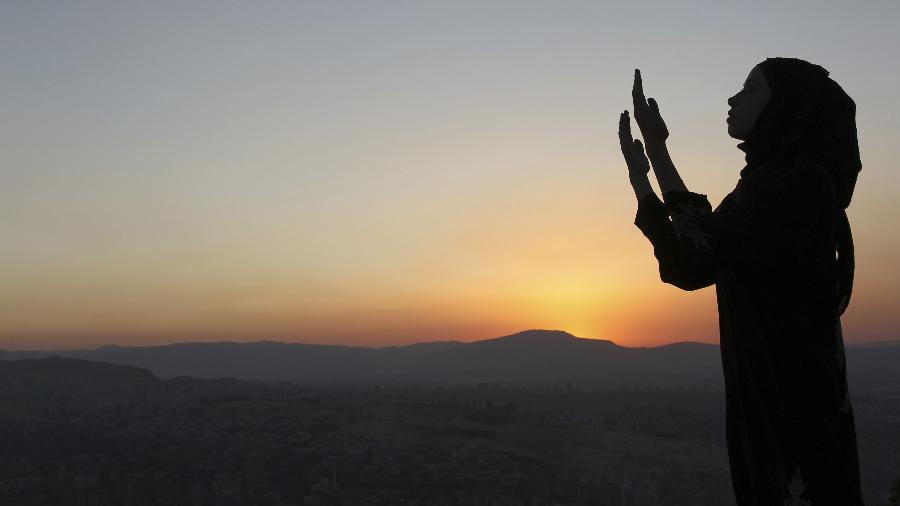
{"x": 381, "y": 173}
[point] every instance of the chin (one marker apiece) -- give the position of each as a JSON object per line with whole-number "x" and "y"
{"x": 738, "y": 136}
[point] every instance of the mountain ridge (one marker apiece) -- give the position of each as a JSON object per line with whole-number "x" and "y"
{"x": 534, "y": 356}
{"x": 113, "y": 347}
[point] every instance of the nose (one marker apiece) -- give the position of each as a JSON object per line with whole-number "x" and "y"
{"x": 732, "y": 101}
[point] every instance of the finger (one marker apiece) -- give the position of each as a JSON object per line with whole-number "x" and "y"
{"x": 640, "y": 157}
{"x": 654, "y": 108}
{"x": 637, "y": 92}
{"x": 625, "y": 140}
{"x": 637, "y": 89}
{"x": 639, "y": 150}
{"x": 625, "y": 126}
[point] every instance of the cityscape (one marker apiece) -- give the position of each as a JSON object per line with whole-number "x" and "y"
{"x": 77, "y": 432}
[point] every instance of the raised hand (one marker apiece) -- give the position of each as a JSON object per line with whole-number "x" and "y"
{"x": 646, "y": 113}
{"x": 632, "y": 149}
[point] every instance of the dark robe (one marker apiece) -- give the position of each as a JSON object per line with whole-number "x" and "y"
{"x": 780, "y": 252}
{"x": 789, "y": 421}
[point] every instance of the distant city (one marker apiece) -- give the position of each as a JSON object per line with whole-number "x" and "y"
{"x": 90, "y": 432}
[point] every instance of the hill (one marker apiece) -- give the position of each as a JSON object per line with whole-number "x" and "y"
{"x": 530, "y": 357}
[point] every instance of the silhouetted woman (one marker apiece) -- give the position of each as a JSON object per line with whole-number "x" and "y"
{"x": 770, "y": 248}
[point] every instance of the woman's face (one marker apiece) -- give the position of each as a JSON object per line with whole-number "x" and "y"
{"x": 748, "y": 104}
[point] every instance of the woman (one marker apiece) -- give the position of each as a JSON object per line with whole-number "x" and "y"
{"x": 769, "y": 248}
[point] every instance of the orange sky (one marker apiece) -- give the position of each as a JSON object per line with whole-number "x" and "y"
{"x": 377, "y": 176}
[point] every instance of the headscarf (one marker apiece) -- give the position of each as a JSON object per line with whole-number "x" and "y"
{"x": 808, "y": 124}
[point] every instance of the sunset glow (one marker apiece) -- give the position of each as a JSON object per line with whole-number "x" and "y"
{"x": 371, "y": 175}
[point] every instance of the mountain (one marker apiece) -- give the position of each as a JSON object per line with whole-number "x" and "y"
{"x": 55, "y": 388}
{"x": 83, "y": 371}
{"x": 531, "y": 357}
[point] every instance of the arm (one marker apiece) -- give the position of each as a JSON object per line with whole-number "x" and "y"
{"x": 635, "y": 159}
{"x": 680, "y": 245}
{"x": 640, "y": 183}
{"x": 666, "y": 174}
{"x": 684, "y": 244}
{"x": 655, "y": 132}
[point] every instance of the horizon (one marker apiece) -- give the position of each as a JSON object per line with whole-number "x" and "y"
{"x": 377, "y": 176}
{"x": 401, "y": 345}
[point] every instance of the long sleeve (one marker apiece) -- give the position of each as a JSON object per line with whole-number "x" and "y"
{"x": 682, "y": 234}
{"x": 783, "y": 233}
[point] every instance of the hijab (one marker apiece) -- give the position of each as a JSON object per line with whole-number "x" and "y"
{"x": 809, "y": 124}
